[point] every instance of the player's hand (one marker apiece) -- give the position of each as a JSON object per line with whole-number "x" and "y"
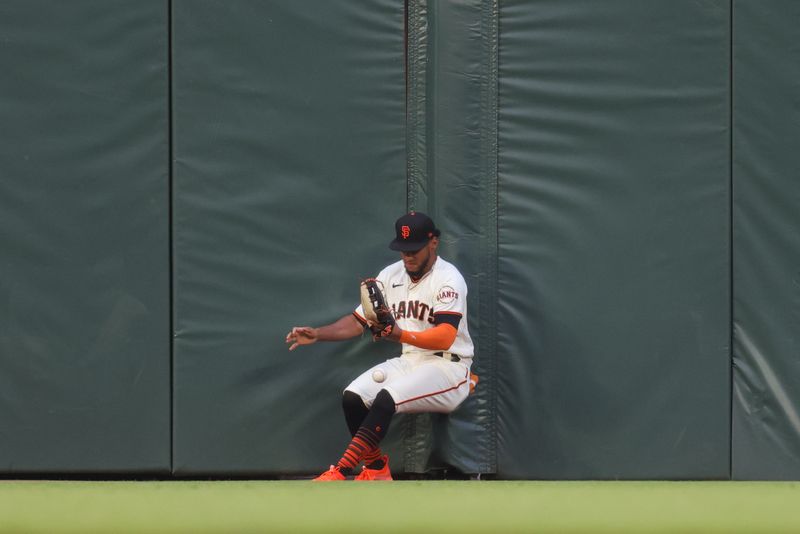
{"x": 394, "y": 335}
{"x": 389, "y": 333}
{"x": 301, "y": 335}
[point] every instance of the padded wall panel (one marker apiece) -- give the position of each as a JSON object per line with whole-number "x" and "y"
{"x": 459, "y": 192}
{"x": 289, "y": 136}
{"x": 613, "y": 342}
{"x": 84, "y": 237}
{"x": 766, "y": 422}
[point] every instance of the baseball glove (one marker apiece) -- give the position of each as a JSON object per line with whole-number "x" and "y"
{"x": 378, "y": 315}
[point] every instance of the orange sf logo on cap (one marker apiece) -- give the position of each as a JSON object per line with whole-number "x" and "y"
{"x": 405, "y": 231}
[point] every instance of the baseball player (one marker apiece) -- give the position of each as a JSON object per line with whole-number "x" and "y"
{"x": 424, "y": 303}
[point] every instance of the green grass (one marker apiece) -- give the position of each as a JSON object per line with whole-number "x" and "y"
{"x": 423, "y": 506}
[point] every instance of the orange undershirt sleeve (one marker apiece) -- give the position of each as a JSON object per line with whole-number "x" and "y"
{"x": 440, "y": 337}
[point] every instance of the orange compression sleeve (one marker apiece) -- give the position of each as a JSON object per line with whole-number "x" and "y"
{"x": 440, "y": 337}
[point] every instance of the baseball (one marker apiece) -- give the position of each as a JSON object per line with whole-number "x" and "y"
{"x": 378, "y": 375}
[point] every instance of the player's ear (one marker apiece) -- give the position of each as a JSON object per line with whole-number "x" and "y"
{"x": 435, "y": 236}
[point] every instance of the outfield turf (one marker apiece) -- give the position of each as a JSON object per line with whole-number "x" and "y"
{"x": 401, "y": 506}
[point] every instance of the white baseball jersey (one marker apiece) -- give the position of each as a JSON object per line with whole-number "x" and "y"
{"x": 439, "y": 296}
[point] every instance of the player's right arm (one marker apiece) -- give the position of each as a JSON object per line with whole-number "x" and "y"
{"x": 345, "y": 328}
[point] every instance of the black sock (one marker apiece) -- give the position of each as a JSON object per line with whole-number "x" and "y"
{"x": 354, "y": 411}
{"x": 380, "y": 414}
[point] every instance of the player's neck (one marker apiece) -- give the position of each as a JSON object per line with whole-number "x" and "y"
{"x": 419, "y": 275}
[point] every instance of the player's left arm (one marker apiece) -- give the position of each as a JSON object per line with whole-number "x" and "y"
{"x": 440, "y": 337}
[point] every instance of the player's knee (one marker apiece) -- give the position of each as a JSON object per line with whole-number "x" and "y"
{"x": 353, "y": 402}
{"x": 384, "y": 402}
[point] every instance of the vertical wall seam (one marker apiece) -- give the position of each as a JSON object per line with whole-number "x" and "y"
{"x": 495, "y": 121}
{"x": 415, "y": 101}
{"x": 170, "y": 208}
{"x": 406, "y": 69}
{"x": 489, "y": 133}
{"x": 433, "y": 87}
{"x": 730, "y": 239}
{"x": 416, "y": 166}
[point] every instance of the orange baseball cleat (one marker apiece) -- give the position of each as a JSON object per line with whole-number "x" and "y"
{"x": 376, "y": 474}
{"x": 473, "y": 382}
{"x": 331, "y": 475}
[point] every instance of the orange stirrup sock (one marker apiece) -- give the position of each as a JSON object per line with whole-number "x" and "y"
{"x": 364, "y": 441}
{"x": 370, "y": 433}
{"x": 373, "y": 459}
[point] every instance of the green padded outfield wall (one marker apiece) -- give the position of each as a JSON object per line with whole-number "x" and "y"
{"x": 616, "y": 180}
{"x": 290, "y": 170}
{"x": 458, "y": 187}
{"x": 613, "y": 228}
{"x": 766, "y": 266}
{"x": 84, "y": 237}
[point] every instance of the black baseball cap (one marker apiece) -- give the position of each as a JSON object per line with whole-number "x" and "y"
{"x": 413, "y": 231}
